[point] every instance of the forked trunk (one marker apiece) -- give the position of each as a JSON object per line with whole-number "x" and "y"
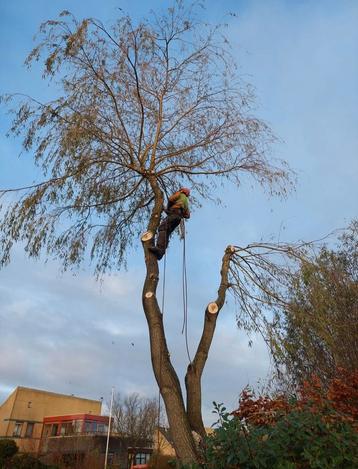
{"x": 181, "y": 421}
{"x": 164, "y": 372}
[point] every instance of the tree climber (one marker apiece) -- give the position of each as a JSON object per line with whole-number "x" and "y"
{"x": 178, "y": 208}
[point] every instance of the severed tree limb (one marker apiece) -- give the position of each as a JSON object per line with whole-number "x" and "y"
{"x": 195, "y": 369}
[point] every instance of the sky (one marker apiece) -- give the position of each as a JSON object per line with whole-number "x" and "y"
{"x": 70, "y": 334}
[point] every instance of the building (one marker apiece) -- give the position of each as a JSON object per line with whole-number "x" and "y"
{"x": 66, "y": 430}
{"x": 163, "y": 442}
{"x": 22, "y": 414}
{"x": 80, "y": 440}
{"x": 79, "y": 424}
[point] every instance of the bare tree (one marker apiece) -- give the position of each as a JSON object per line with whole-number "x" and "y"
{"x": 135, "y": 417}
{"x": 141, "y": 109}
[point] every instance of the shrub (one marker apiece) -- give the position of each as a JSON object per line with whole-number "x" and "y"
{"x": 315, "y": 430}
{"x": 338, "y": 402}
{"x": 300, "y": 439}
{"x": 8, "y": 449}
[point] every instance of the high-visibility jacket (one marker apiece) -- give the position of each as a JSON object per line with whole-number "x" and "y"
{"x": 179, "y": 202}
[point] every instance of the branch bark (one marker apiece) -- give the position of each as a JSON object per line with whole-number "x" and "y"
{"x": 195, "y": 369}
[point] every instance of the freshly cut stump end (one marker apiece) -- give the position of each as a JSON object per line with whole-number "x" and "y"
{"x": 149, "y": 294}
{"x": 213, "y": 308}
{"x": 146, "y": 236}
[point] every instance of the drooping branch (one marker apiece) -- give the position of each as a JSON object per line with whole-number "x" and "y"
{"x": 259, "y": 276}
{"x": 142, "y": 100}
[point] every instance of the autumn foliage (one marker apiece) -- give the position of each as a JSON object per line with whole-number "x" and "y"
{"x": 337, "y": 403}
{"x": 315, "y": 429}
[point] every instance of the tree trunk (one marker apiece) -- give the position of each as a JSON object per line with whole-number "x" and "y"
{"x": 164, "y": 372}
{"x": 195, "y": 369}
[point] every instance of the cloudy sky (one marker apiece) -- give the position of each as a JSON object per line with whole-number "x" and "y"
{"x": 69, "y": 334}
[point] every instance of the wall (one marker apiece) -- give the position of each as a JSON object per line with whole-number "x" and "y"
{"x": 32, "y": 405}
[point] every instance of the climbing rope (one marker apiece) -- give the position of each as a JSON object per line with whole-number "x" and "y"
{"x": 185, "y": 291}
{"x": 160, "y": 361}
{"x": 185, "y": 318}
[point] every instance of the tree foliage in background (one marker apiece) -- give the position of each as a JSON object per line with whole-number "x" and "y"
{"x": 319, "y": 326}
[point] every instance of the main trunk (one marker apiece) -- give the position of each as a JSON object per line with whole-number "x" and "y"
{"x": 164, "y": 372}
{"x": 165, "y": 375}
{"x": 181, "y": 421}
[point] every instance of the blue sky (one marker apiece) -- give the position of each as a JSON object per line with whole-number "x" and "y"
{"x": 70, "y": 334}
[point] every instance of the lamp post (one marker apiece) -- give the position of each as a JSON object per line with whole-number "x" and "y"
{"x": 109, "y": 429}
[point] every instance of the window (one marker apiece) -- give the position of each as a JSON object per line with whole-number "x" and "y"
{"x": 47, "y": 430}
{"x": 90, "y": 426}
{"x": 67, "y": 428}
{"x": 29, "y": 429}
{"x": 77, "y": 426}
{"x": 102, "y": 428}
{"x": 17, "y": 429}
{"x": 142, "y": 458}
{"x": 54, "y": 429}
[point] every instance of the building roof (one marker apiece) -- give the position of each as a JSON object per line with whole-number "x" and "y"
{"x": 81, "y": 416}
{"x": 41, "y": 391}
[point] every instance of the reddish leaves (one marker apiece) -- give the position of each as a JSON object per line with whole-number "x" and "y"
{"x": 337, "y": 403}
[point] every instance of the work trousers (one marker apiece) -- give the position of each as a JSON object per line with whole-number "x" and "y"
{"x": 166, "y": 228}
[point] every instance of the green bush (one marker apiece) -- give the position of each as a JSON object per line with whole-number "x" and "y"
{"x": 299, "y": 440}
{"x": 10, "y": 459}
{"x": 8, "y": 449}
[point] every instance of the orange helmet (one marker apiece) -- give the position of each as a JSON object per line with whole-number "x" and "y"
{"x": 185, "y": 191}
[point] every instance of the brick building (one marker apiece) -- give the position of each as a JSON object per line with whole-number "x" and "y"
{"x": 22, "y": 414}
{"x": 66, "y": 430}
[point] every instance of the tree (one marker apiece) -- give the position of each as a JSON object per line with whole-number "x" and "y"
{"x": 319, "y": 326}
{"x": 142, "y": 109}
{"x": 135, "y": 417}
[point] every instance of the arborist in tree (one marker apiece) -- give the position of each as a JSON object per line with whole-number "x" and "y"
{"x": 178, "y": 208}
